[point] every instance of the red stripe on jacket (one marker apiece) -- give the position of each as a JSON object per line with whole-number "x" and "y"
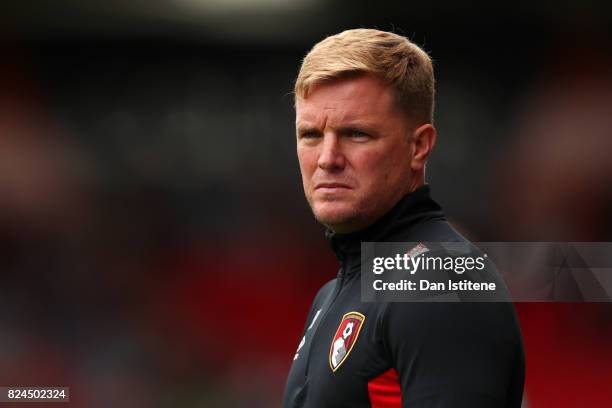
{"x": 385, "y": 391}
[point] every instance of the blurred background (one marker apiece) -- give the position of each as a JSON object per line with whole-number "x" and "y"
{"x": 156, "y": 249}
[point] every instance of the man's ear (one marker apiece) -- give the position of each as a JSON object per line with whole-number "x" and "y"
{"x": 423, "y": 141}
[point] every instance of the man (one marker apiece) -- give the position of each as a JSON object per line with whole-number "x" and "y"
{"x": 364, "y": 112}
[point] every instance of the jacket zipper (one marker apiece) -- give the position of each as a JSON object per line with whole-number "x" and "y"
{"x": 337, "y": 289}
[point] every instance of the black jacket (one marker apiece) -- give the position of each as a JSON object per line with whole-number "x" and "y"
{"x": 404, "y": 354}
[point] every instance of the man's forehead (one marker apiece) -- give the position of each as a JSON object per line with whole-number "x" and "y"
{"x": 354, "y": 99}
{"x": 306, "y": 114}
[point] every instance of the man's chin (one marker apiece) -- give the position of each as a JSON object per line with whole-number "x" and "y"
{"x": 338, "y": 219}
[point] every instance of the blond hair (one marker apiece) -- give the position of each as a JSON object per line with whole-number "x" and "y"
{"x": 390, "y": 57}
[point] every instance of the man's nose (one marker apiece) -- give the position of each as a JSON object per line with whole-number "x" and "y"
{"x": 331, "y": 157}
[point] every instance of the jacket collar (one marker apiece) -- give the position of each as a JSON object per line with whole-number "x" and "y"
{"x": 396, "y": 225}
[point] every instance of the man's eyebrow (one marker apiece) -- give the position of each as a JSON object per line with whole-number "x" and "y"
{"x": 367, "y": 127}
{"x": 305, "y": 127}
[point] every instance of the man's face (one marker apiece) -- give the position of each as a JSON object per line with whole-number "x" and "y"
{"x": 353, "y": 145}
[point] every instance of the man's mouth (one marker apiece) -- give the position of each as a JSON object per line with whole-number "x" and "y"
{"x": 332, "y": 187}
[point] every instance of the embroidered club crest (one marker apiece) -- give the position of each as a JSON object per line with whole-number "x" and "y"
{"x": 345, "y": 338}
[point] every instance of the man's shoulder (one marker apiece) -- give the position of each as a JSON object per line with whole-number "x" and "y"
{"x": 431, "y": 229}
{"x": 424, "y": 322}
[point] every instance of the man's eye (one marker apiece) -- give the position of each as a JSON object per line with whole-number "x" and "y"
{"x": 359, "y": 134}
{"x": 309, "y": 135}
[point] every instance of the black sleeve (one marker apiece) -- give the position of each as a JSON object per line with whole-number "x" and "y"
{"x": 456, "y": 354}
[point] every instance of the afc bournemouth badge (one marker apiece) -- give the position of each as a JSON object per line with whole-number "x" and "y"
{"x": 345, "y": 338}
